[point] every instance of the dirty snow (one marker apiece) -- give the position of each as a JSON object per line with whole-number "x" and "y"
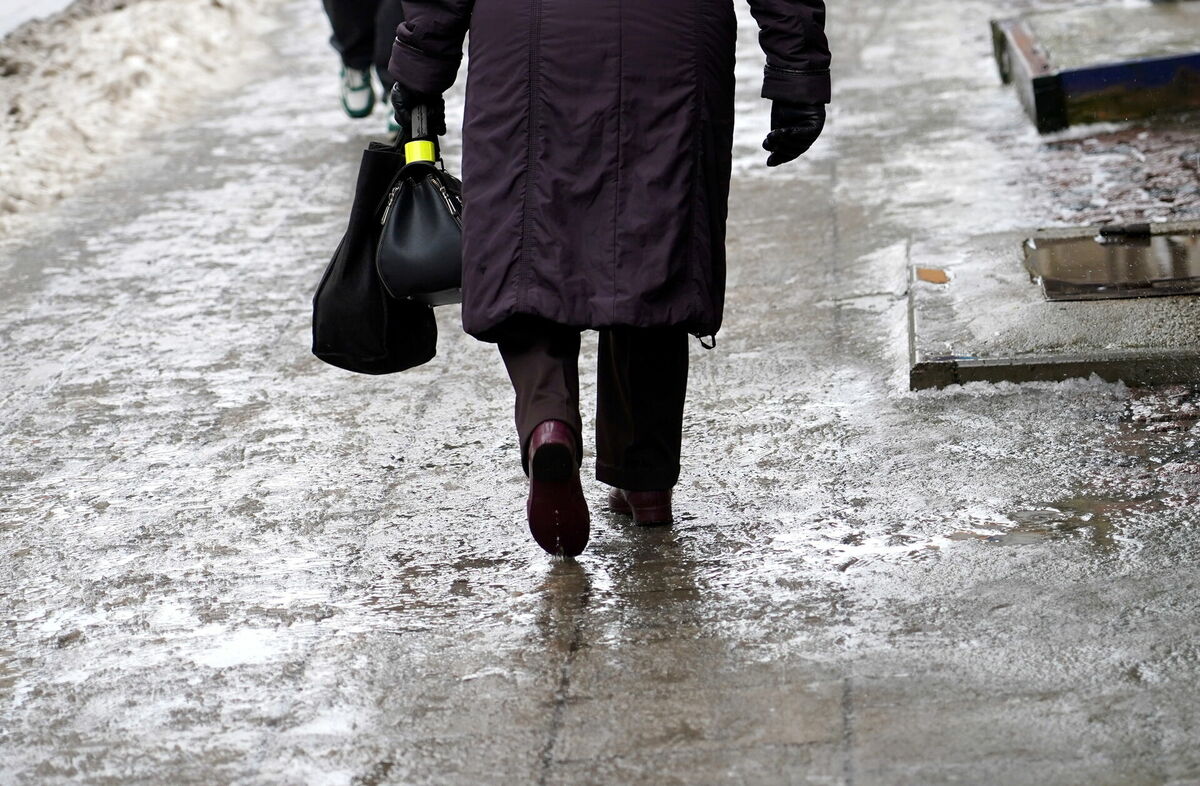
{"x": 80, "y": 87}
{"x": 16, "y": 12}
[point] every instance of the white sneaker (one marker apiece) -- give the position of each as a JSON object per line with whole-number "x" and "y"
{"x": 358, "y": 96}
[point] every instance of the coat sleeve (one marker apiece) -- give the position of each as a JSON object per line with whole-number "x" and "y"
{"x": 429, "y": 43}
{"x": 792, "y": 33}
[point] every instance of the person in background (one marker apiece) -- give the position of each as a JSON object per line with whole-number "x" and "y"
{"x": 597, "y": 150}
{"x": 363, "y": 32}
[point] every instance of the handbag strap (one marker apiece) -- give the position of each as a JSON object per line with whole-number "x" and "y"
{"x": 420, "y": 121}
{"x": 420, "y": 132}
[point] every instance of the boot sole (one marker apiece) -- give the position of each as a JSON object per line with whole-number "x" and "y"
{"x": 558, "y": 515}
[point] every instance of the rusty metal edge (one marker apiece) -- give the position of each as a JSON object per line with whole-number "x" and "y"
{"x": 1023, "y": 63}
{"x": 1142, "y": 368}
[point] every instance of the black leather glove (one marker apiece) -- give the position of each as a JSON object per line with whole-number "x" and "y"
{"x": 794, "y": 128}
{"x": 404, "y": 101}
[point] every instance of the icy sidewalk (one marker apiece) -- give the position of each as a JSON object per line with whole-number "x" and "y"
{"x": 223, "y": 562}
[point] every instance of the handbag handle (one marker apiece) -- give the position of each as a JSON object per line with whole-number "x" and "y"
{"x": 421, "y": 148}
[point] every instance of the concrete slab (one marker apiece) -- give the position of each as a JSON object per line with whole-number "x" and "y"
{"x": 990, "y": 322}
{"x": 1082, "y": 37}
{"x": 1089, "y": 65}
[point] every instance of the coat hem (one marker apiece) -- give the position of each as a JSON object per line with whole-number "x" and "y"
{"x": 499, "y": 329}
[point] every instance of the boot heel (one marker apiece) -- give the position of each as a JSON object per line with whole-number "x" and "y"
{"x": 552, "y": 463}
{"x": 648, "y": 508}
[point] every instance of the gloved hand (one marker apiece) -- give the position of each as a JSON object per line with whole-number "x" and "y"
{"x": 403, "y": 103}
{"x": 794, "y": 128}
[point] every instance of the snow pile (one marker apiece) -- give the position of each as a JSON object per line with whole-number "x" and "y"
{"x": 14, "y": 12}
{"x": 77, "y": 89}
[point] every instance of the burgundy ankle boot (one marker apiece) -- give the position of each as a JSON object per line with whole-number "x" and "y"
{"x": 558, "y": 513}
{"x": 648, "y": 508}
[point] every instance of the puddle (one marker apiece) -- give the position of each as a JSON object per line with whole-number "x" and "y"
{"x": 1119, "y": 263}
{"x": 1088, "y": 518}
{"x": 1143, "y": 475}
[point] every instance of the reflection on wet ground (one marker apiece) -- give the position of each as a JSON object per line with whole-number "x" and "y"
{"x": 1152, "y": 469}
{"x": 1072, "y": 518}
{"x": 1120, "y": 262}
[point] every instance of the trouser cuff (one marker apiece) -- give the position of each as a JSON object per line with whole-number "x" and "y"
{"x": 639, "y": 479}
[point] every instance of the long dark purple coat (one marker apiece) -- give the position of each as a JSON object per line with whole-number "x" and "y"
{"x": 596, "y": 147}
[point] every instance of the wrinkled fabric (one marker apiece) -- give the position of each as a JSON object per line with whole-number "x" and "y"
{"x": 596, "y": 148}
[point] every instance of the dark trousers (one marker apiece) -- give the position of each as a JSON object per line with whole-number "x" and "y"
{"x": 363, "y": 32}
{"x": 641, "y": 384}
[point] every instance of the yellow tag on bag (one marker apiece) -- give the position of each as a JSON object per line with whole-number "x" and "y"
{"x": 419, "y": 150}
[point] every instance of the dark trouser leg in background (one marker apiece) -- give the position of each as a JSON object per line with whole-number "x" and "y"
{"x": 641, "y": 387}
{"x": 542, "y": 359}
{"x": 353, "y": 23}
{"x": 388, "y": 16}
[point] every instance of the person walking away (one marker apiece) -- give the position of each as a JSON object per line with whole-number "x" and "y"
{"x": 363, "y": 32}
{"x": 596, "y": 165}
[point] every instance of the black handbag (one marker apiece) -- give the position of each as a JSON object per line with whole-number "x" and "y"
{"x": 357, "y": 325}
{"x": 419, "y": 257}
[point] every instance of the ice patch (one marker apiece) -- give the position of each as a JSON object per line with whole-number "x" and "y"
{"x": 1091, "y": 386}
{"x": 242, "y": 647}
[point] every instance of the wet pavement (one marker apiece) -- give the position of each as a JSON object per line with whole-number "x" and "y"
{"x": 225, "y": 562}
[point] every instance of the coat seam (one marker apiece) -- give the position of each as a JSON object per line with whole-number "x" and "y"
{"x": 526, "y": 252}
{"x": 620, "y": 144}
{"x": 699, "y": 123}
